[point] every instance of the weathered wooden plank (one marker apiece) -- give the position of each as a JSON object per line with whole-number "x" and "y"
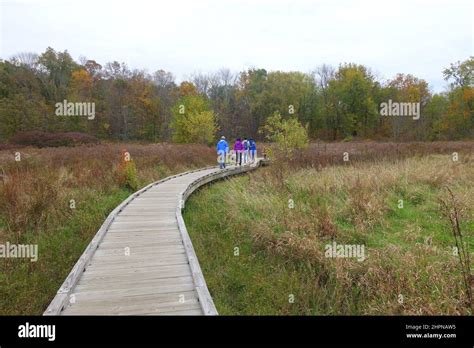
{"x": 177, "y": 259}
{"x": 149, "y": 229}
{"x": 170, "y": 255}
{"x": 136, "y": 309}
{"x": 138, "y": 222}
{"x": 88, "y": 299}
{"x": 144, "y": 290}
{"x": 145, "y": 213}
{"x": 186, "y": 312}
{"x": 157, "y": 240}
{"x": 155, "y": 230}
{"x": 135, "y": 284}
{"x": 158, "y": 202}
{"x": 164, "y": 221}
{"x": 137, "y": 233}
{"x": 167, "y": 226}
{"x": 154, "y": 217}
{"x": 153, "y": 273}
{"x": 159, "y": 235}
{"x": 136, "y": 256}
{"x": 122, "y": 246}
{"x": 140, "y": 298}
{"x": 135, "y": 245}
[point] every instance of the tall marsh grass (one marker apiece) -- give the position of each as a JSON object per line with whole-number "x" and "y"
{"x": 410, "y": 267}
{"x": 58, "y": 198}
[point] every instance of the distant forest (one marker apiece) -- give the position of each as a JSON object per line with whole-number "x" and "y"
{"x": 334, "y": 103}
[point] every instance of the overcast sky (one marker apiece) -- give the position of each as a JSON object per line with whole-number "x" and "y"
{"x": 186, "y": 36}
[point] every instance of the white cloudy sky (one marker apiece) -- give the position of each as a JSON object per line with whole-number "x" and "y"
{"x": 185, "y": 36}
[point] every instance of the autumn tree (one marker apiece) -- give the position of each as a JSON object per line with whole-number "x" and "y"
{"x": 351, "y": 110}
{"x": 193, "y": 122}
{"x": 132, "y": 104}
{"x": 22, "y": 105}
{"x": 409, "y": 89}
{"x": 459, "y": 118}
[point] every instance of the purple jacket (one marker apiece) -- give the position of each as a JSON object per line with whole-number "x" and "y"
{"x": 238, "y": 146}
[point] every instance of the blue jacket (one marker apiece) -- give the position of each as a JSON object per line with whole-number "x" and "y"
{"x": 222, "y": 146}
{"x": 253, "y": 145}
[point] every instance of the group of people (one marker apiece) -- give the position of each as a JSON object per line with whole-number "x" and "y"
{"x": 244, "y": 151}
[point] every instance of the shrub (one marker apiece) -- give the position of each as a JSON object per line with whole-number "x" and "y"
{"x": 128, "y": 172}
{"x": 45, "y": 139}
{"x": 289, "y": 135}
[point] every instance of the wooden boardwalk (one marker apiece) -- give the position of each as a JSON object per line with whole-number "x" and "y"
{"x": 141, "y": 261}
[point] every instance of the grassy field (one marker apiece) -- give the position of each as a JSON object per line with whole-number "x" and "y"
{"x": 264, "y": 254}
{"x": 281, "y": 267}
{"x": 35, "y": 207}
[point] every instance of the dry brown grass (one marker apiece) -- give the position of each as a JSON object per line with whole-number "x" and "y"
{"x": 320, "y": 154}
{"x": 38, "y": 188}
{"x": 35, "y": 195}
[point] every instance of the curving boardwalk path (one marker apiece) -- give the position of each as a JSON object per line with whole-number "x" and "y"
{"x": 141, "y": 261}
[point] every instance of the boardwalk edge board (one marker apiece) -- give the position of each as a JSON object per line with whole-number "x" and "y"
{"x": 205, "y": 297}
{"x": 62, "y": 296}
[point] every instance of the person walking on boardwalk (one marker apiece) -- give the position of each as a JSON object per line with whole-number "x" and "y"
{"x": 222, "y": 150}
{"x": 253, "y": 149}
{"x": 246, "y": 146}
{"x": 239, "y": 149}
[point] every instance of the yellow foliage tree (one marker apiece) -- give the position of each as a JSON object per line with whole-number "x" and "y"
{"x": 193, "y": 122}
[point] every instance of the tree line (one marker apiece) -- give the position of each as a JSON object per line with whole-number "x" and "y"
{"x": 332, "y": 103}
